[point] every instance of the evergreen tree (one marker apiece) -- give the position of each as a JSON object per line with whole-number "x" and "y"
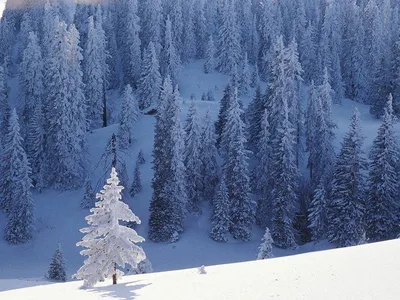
{"x": 193, "y": 161}
{"x": 254, "y": 117}
{"x": 15, "y": 187}
{"x": 228, "y": 47}
{"x": 109, "y": 244}
{"x": 170, "y": 59}
{"x": 346, "y": 207}
{"x": 317, "y": 222}
{"x": 209, "y": 65}
{"x": 150, "y": 18}
{"x": 35, "y": 146}
{"x": 57, "y": 266}
{"x": 136, "y": 186}
{"x": 223, "y": 111}
{"x": 236, "y": 171}
{"x": 149, "y": 85}
{"x": 265, "y": 249}
{"x": 199, "y": 24}
{"x": 4, "y": 106}
{"x": 140, "y": 159}
{"x": 189, "y": 39}
{"x": 245, "y": 78}
{"x": 128, "y": 117}
{"x": 221, "y": 214}
{"x": 130, "y": 42}
{"x": 285, "y": 181}
{"x": 382, "y": 208}
{"x": 31, "y": 78}
{"x": 255, "y": 78}
{"x": 308, "y": 52}
{"x": 208, "y": 153}
{"x": 89, "y": 198}
{"x": 95, "y": 73}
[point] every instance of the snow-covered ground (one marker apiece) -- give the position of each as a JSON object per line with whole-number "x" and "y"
{"x": 59, "y": 216}
{"x": 357, "y": 273}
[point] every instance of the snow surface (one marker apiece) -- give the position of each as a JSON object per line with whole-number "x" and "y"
{"x": 363, "y": 272}
{"x": 59, "y": 216}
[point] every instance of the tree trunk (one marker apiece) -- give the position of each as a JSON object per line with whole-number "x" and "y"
{"x": 114, "y": 277}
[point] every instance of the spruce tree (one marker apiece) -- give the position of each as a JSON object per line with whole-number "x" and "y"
{"x": 285, "y": 181}
{"x": 149, "y": 84}
{"x": 346, "y": 208}
{"x": 382, "y": 205}
{"x": 89, "y": 198}
{"x": 317, "y": 222}
{"x": 16, "y": 193}
{"x": 193, "y": 161}
{"x": 188, "y": 36}
{"x": 170, "y": 63}
{"x": 236, "y": 171}
{"x": 221, "y": 214}
{"x": 208, "y": 156}
{"x": 209, "y": 65}
{"x": 4, "y": 106}
{"x": 140, "y": 159}
{"x": 223, "y": 111}
{"x": 127, "y": 119}
{"x": 255, "y": 77}
{"x": 57, "y": 266}
{"x": 228, "y": 47}
{"x": 109, "y": 244}
{"x": 265, "y": 249}
{"x": 244, "y": 76}
{"x": 136, "y": 186}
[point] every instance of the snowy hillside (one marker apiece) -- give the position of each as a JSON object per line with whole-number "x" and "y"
{"x": 59, "y": 216}
{"x": 367, "y": 272}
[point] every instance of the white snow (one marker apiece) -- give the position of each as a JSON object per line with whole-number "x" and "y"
{"x": 362, "y": 272}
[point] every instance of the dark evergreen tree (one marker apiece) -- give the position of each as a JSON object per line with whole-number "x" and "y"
{"x": 221, "y": 214}
{"x": 57, "y": 269}
{"x": 346, "y": 208}
{"x": 89, "y": 198}
{"x": 383, "y": 202}
{"x": 140, "y": 159}
{"x": 136, "y": 186}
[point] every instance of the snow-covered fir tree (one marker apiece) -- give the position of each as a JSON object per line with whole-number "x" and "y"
{"x": 136, "y": 186}
{"x": 150, "y": 23}
{"x": 170, "y": 62}
{"x": 285, "y": 181}
{"x": 228, "y": 52}
{"x": 128, "y": 117}
{"x": 221, "y": 214}
{"x": 109, "y": 244}
{"x": 31, "y": 78}
{"x": 346, "y": 208}
{"x": 208, "y": 156}
{"x": 89, "y": 197}
{"x": 193, "y": 161}
{"x": 168, "y": 204}
{"x": 244, "y": 76}
{"x": 188, "y": 37}
{"x": 4, "y": 106}
{"x": 57, "y": 270}
{"x": 209, "y": 65}
{"x": 265, "y": 249}
{"x": 236, "y": 171}
{"x": 317, "y": 222}
{"x": 35, "y": 145}
{"x": 255, "y": 77}
{"x": 15, "y": 187}
{"x": 95, "y": 73}
{"x": 382, "y": 205}
{"x": 223, "y": 111}
{"x": 254, "y": 116}
{"x": 149, "y": 84}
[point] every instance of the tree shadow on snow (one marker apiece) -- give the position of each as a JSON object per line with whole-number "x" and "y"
{"x": 122, "y": 291}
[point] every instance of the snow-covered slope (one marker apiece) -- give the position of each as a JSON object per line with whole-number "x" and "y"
{"x": 59, "y": 216}
{"x": 358, "y": 273}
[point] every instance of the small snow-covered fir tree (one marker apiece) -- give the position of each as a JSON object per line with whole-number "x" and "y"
{"x": 209, "y": 65}
{"x": 382, "y": 205}
{"x": 140, "y": 159}
{"x": 149, "y": 84}
{"x": 346, "y": 208}
{"x": 16, "y": 192}
{"x": 136, "y": 186}
{"x": 221, "y": 216}
{"x": 4, "y": 106}
{"x": 109, "y": 244}
{"x": 89, "y": 198}
{"x": 265, "y": 249}
{"x": 57, "y": 269}
{"x": 128, "y": 117}
{"x": 255, "y": 77}
{"x": 170, "y": 62}
{"x": 244, "y": 76}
